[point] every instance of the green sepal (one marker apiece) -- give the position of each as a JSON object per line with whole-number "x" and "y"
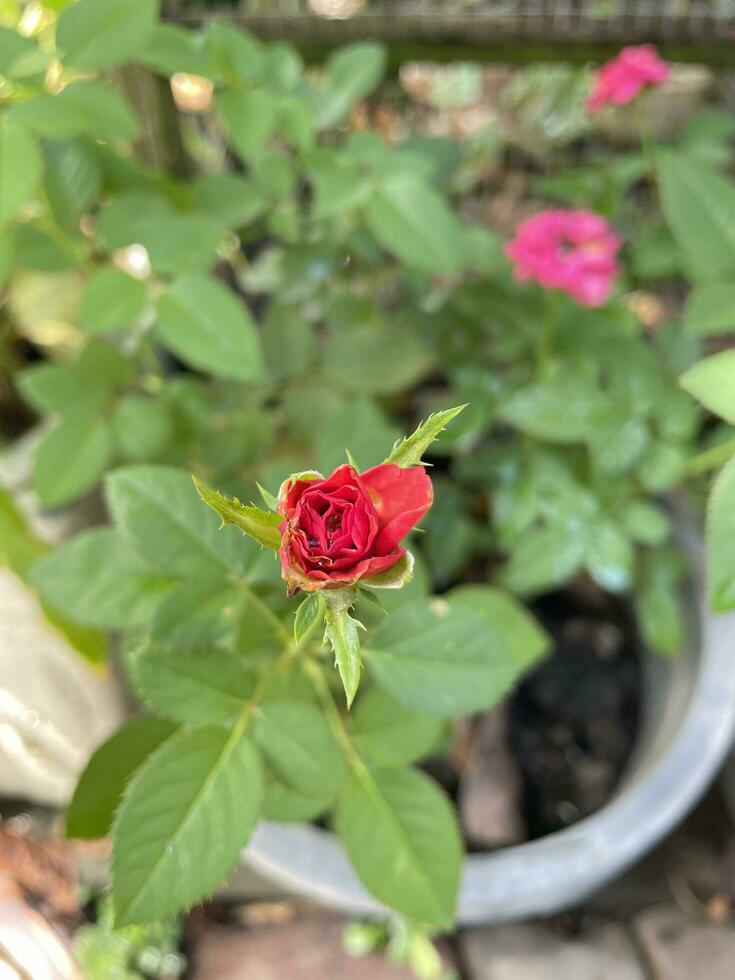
{"x": 341, "y": 630}
{"x": 306, "y": 616}
{"x": 408, "y": 451}
{"x": 268, "y": 499}
{"x": 261, "y": 525}
{"x": 394, "y": 577}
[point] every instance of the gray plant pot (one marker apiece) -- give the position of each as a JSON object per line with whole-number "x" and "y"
{"x": 688, "y": 726}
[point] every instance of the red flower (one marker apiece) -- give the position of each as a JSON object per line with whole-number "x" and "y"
{"x": 348, "y": 526}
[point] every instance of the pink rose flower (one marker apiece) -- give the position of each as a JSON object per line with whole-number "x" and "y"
{"x": 619, "y": 81}
{"x": 573, "y": 251}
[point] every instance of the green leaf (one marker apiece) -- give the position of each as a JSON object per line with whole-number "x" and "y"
{"x": 261, "y": 525}
{"x": 60, "y": 390}
{"x": 236, "y": 55}
{"x": 81, "y": 108}
{"x": 35, "y": 249}
{"x": 102, "y": 784}
{"x": 662, "y": 467}
{"x": 173, "y": 49}
{"x": 360, "y": 425}
{"x": 699, "y": 206}
{"x": 561, "y": 409}
{"x": 299, "y": 747}
{"x": 158, "y": 509}
{"x": 712, "y": 382}
{"x": 204, "y": 612}
{"x": 401, "y": 835}
{"x": 341, "y": 630}
{"x": 19, "y": 56}
{"x": 183, "y": 821}
{"x": 94, "y": 34}
{"x": 398, "y": 359}
{"x": 289, "y": 341}
{"x": 658, "y": 602}
{"x": 176, "y": 242}
{"x": 142, "y": 427}
{"x": 6, "y": 255}
{"x": 306, "y": 616}
{"x": 98, "y": 579}
{"x": 202, "y": 322}
{"x": 72, "y": 179}
{"x": 249, "y": 119}
{"x": 543, "y": 558}
{"x": 20, "y": 168}
{"x": 196, "y": 688}
{"x": 413, "y": 222}
{"x": 339, "y": 185}
{"x": 618, "y": 442}
{"x": 389, "y": 734}
{"x": 112, "y": 301}
{"x": 710, "y": 308}
{"x": 71, "y": 459}
{"x": 231, "y": 200}
{"x": 285, "y": 805}
{"x": 439, "y": 657}
{"x": 352, "y": 73}
{"x": 609, "y": 557}
{"x": 721, "y": 541}
{"x": 644, "y": 522}
{"x": 525, "y": 640}
{"x": 410, "y": 450}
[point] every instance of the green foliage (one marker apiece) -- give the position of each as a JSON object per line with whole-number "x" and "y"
{"x": 297, "y": 291}
{"x": 183, "y": 820}
{"x": 401, "y": 834}
{"x": 103, "y": 33}
{"x": 442, "y": 657}
{"x": 102, "y": 784}
{"x": 204, "y": 324}
{"x": 409, "y": 451}
{"x": 99, "y": 580}
{"x": 341, "y": 630}
{"x": 720, "y": 536}
{"x": 699, "y": 206}
{"x": 261, "y": 525}
{"x": 712, "y": 382}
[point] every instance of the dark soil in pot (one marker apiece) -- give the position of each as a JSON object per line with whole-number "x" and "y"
{"x": 573, "y": 722}
{"x": 556, "y": 751}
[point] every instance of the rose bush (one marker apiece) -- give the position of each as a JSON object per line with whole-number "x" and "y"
{"x": 348, "y": 527}
{"x": 302, "y": 284}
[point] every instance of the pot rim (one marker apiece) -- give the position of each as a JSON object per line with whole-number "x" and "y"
{"x": 689, "y": 725}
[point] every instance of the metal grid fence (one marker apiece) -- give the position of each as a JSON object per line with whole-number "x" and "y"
{"x": 477, "y": 21}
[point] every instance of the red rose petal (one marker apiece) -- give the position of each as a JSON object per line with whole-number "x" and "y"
{"x": 401, "y": 497}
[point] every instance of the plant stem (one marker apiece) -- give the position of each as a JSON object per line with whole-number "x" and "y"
{"x": 545, "y": 337}
{"x": 267, "y": 613}
{"x": 334, "y": 718}
{"x": 648, "y": 147}
{"x": 710, "y": 459}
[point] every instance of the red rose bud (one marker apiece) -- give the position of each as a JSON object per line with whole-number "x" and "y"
{"x": 347, "y": 527}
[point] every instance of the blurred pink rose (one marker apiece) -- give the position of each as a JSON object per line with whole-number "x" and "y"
{"x": 574, "y": 251}
{"x": 619, "y": 81}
